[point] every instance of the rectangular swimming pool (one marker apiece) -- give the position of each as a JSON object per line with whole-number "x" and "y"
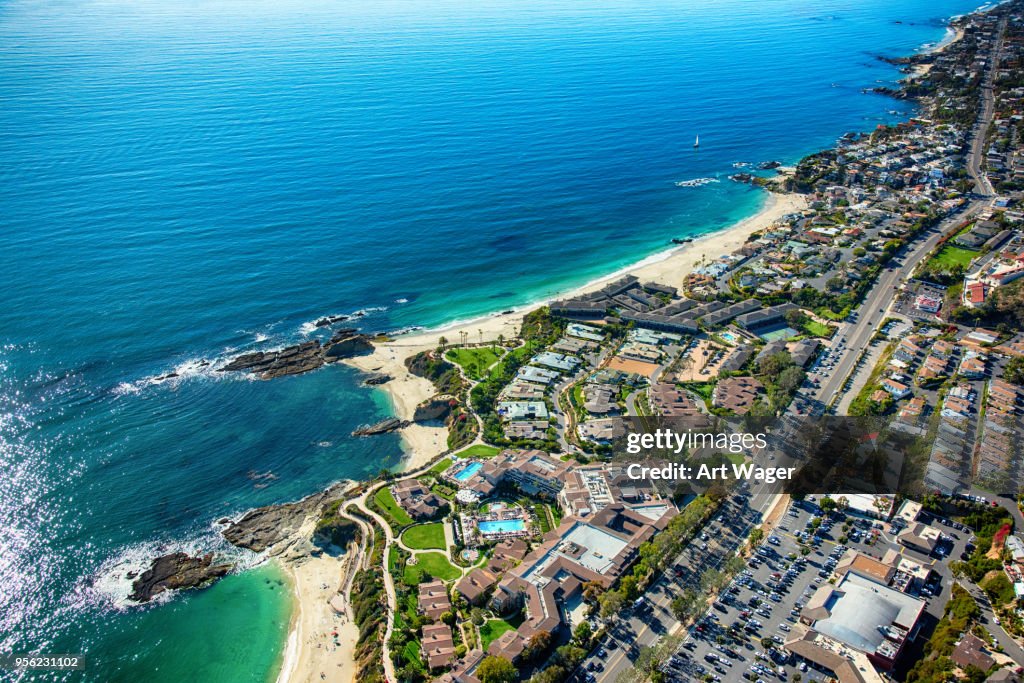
{"x": 468, "y": 471}
{"x": 501, "y": 526}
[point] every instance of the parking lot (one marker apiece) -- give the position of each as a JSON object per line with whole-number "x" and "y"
{"x": 652, "y": 619}
{"x": 764, "y": 603}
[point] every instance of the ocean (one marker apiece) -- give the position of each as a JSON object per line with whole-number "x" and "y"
{"x": 184, "y": 181}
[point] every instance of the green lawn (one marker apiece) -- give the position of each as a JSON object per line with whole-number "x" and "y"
{"x": 411, "y": 653}
{"x": 387, "y": 503}
{"x": 951, "y": 256}
{"x": 440, "y": 467}
{"x": 425, "y": 536}
{"x": 474, "y": 361}
{"x": 478, "y": 451}
{"x": 816, "y": 329}
{"x": 435, "y": 564}
{"x": 702, "y": 389}
{"x": 492, "y": 630}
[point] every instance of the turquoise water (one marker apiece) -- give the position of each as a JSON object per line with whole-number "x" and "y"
{"x": 185, "y": 181}
{"x": 501, "y": 526}
{"x": 468, "y": 471}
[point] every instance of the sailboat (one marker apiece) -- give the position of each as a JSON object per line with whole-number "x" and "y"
{"x": 696, "y": 143}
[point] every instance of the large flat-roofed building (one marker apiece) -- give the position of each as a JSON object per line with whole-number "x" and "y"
{"x": 847, "y": 664}
{"x": 865, "y": 615}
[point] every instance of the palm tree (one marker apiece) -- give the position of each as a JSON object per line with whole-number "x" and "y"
{"x": 501, "y": 340}
{"x": 441, "y": 344}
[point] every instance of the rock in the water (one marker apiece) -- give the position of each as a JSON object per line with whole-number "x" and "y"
{"x": 330, "y": 320}
{"x": 263, "y": 527}
{"x": 300, "y": 358}
{"x": 346, "y": 344}
{"x": 384, "y": 426}
{"x": 175, "y": 572}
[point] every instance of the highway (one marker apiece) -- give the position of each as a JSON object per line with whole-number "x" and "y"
{"x": 881, "y": 296}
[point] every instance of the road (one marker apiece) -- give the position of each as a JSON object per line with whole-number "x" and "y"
{"x": 974, "y": 165}
{"x": 880, "y": 297}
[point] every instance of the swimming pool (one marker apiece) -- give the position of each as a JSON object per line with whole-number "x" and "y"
{"x": 501, "y": 526}
{"x": 729, "y": 337}
{"x": 468, "y": 471}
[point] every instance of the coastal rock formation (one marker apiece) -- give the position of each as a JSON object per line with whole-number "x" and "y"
{"x": 300, "y": 358}
{"x": 175, "y": 572}
{"x": 346, "y": 344}
{"x": 267, "y": 526}
{"x": 436, "y": 408}
{"x": 377, "y": 378}
{"x": 383, "y": 427}
{"x": 331, "y": 320}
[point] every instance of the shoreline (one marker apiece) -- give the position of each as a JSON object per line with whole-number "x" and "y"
{"x": 311, "y": 650}
{"x": 405, "y": 391}
{"x": 670, "y": 266}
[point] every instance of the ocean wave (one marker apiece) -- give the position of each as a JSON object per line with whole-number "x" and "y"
{"x": 111, "y": 584}
{"x": 324, "y": 321}
{"x": 190, "y": 369}
{"x": 407, "y": 330}
{"x": 697, "y": 182}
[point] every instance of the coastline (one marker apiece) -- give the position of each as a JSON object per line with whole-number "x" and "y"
{"x": 405, "y": 390}
{"x": 318, "y": 585}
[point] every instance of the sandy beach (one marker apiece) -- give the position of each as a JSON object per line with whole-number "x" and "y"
{"x": 313, "y": 653}
{"x": 668, "y": 267}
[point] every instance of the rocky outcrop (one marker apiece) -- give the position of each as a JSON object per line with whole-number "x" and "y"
{"x": 267, "y": 526}
{"x": 300, "y": 358}
{"x": 175, "y": 572}
{"x": 346, "y": 344}
{"x": 377, "y": 378}
{"x": 383, "y": 427}
{"x": 331, "y": 320}
{"x": 436, "y": 408}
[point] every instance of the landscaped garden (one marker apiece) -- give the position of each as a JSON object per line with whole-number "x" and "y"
{"x": 425, "y": 536}
{"x": 396, "y": 516}
{"x": 474, "y": 361}
{"x": 435, "y": 565}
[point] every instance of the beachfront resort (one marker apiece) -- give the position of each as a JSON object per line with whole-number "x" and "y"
{"x": 885, "y": 295}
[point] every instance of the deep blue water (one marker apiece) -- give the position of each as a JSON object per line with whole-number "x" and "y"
{"x": 183, "y": 180}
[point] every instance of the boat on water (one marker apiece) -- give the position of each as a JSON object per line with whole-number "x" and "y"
{"x": 696, "y": 143}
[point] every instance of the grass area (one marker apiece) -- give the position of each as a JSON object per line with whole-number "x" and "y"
{"x": 816, "y": 329}
{"x": 440, "y": 467}
{"x": 434, "y": 564}
{"x": 541, "y": 510}
{"x": 392, "y": 559}
{"x": 425, "y": 536}
{"x": 474, "y": 361}
{"x": 411, "y": 653}
{"x": 492, "y": 630}
{"x": 734, "y": 458}
{"x": 950, "y": 256}
{"x": 446, "y": 492}
{"x": 396, "y": 515}
{"x": 702, "y": 389}
{"x": 479, "y": 450}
